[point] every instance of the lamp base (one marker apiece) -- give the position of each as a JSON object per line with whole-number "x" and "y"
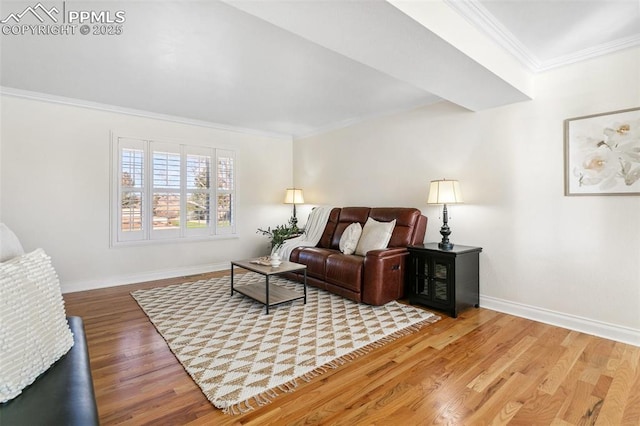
{"x": 294, "y": 219}
{"x": 445, "y": 231}
{"x": 445, "y": 246}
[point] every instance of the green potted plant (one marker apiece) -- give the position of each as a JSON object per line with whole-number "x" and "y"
{"x": 278, "y": 235}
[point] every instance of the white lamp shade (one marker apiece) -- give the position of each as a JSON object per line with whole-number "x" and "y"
{"x": 293, "y": 196}
{"x": 444, "y": 192}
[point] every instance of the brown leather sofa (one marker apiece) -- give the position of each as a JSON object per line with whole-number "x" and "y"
{"x": 377, "y": 277}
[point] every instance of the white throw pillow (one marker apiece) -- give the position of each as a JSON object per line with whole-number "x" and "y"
{"x": 10, "y": 246}
{"x": 34, "y": 332}
{"x": 375, "y": 236}
{"x": 350, "y": 237}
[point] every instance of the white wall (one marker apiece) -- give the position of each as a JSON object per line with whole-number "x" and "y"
{"x": 572, "y": 261}
{"x": 54, "y": 192}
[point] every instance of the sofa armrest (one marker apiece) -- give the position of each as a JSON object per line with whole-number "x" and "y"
{"x": 384, "y": 275}
{"x": 387, "y": 252}
{"x": 62, "y": 395}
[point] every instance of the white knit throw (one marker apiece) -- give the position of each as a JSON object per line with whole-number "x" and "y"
{"x": 318, "y": 219}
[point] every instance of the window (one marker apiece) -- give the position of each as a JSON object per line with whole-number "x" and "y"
{"x": 171, "y": 191}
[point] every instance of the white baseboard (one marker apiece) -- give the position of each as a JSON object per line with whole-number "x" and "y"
{"x": 70, "y": 287}
{"x": 585, "y": 325}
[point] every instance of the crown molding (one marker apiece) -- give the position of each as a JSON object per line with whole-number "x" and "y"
{"x": 474, "y": 12}
{"x": 591, "y": 52}
{"x": 81, "y": 103}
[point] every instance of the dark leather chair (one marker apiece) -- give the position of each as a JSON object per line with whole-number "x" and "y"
{"x": 62, "y": 395}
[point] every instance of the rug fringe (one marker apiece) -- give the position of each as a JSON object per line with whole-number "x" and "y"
{"x": 269, "y": 395}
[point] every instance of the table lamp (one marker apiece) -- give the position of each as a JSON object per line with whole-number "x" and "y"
{"x": 444, "y": 192}
{"x": 294, "y": 196}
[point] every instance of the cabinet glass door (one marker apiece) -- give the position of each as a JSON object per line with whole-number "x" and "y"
{"x": 440, "y": 279}
{"x": 422, "y": 277}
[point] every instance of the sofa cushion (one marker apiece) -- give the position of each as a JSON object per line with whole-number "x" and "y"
{"x": 314, "y": 258}
{"x": 345, "y": 271}
{"x": 34, "y": 332}
{"x": 10, "y": 246}
{"x": 375, "y": 236}
{"x": 329, "y": 230}
{"x": 350, "y": 238}
{"x": 406, "y": 221}
{"x": 348, "y": 215}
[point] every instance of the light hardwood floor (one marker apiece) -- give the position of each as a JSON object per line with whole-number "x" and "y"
{"x": 482, "y": 368}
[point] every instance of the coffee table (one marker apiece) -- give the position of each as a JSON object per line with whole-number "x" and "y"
{"x": 269, "y": 295}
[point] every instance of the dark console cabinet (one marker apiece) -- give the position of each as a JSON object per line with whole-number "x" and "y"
{"x": 446, "y": 280}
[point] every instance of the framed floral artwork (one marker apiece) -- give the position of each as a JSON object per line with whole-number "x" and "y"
{"x": 602, "y": 153}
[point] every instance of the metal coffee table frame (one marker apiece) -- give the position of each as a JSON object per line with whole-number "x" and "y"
{"x": 269, "y": 295}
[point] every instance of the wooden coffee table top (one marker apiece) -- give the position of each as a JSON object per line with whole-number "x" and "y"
{"x": 285, "y": 266}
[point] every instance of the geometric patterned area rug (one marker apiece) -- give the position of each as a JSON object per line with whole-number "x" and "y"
{"x": 241, "y": 357}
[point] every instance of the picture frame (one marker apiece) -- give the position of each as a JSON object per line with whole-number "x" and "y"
{"x": 602, "y": 153}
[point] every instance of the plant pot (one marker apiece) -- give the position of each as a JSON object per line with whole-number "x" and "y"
{"x": 275, "y": 260}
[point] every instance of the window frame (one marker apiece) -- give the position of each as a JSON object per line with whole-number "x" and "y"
{"x": 147, "y": 188}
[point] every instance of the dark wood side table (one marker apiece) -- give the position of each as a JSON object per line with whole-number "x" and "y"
{"x": 447, "y": 280}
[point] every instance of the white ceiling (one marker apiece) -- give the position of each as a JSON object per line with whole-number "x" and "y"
{"x": 299, "y": 68}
